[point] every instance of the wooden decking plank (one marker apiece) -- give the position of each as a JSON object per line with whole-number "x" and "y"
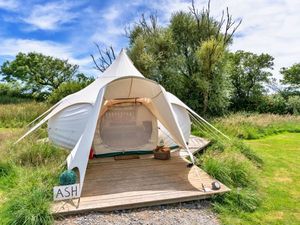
{"x": 139, "y": 182}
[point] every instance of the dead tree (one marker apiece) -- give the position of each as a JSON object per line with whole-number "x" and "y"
{"x": 105, "y": 58}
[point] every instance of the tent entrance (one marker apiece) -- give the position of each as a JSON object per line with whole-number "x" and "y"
{"x": 125, "y": 126}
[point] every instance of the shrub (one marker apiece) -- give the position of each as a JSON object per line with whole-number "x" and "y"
{"x": 294, "y": 104}
{"x": 274, "y": 104}
{"x": 67, "y": 177}
{"x": 66, "y": 89}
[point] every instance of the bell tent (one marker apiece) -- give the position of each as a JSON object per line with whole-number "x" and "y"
{"x": 121, "y": 112}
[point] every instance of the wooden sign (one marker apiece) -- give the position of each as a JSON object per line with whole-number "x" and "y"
{"x": 66, "y": 192}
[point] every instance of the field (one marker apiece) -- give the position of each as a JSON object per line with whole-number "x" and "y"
{"x": 261, "y": 172}
{"x": 278, "y": 182}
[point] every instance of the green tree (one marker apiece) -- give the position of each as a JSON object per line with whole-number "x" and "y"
{"x": 38, "y": 73}
{"x": 291, "y": 78}
{"x": 69, "y": 87}
{"x": 291, "y": 75}
{"x": 248, "y": 73}
{"x": 187, "y": 57}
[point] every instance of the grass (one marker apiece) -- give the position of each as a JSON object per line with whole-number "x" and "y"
{"x": 257, "y": 171}
{"x": 254, "y": 126}
{"x": 228, "y": 164}
{"x": 5, "y": 99}
{"x": 261, "y": 176}
{"x": 19, "y": 115}
{"x": 279, "y": 183}
{"x": 28, "y": 172}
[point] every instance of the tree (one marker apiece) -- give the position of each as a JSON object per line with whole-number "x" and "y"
{"x": 38, "y": 73}
{"x": 69, "y": 87}
{"x": 187, "y": 57}
{"x": 248, "y": 73}
{"x": 105, "y": 58}
{"x": 291, "y": 75}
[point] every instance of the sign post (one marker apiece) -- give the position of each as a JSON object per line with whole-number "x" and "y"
{"x": 66, "y": 192}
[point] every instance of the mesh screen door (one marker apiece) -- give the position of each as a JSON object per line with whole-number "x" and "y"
{"x": 126, "y": 126}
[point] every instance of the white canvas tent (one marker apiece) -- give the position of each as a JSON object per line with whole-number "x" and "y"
{"x": 121, "y": 111}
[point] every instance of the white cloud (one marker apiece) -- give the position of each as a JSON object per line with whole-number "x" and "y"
{"x": 268, "y": 27}
{"x": 9, "y": 48}
{"x": 111, "y": 13}
{"x": 165, "y": 8}
{"x": 109, "y": 24}
{"x": 9, "y": 4}
{"x": 51, "y": 15}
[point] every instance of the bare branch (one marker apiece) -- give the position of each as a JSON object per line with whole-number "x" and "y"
{"x": 105, "y": 59}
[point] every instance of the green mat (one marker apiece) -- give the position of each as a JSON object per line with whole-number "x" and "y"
{"x": 134, "y": 152}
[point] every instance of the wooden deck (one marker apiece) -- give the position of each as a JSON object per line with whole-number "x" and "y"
{"x": 121, "y": 184}
{"x": 196, "y": 144}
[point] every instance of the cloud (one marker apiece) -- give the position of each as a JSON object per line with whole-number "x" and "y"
{"x": 9, "y": 48}
{"x": 165, "y": 8}
{"x": 111, "y": 14}
{"x": 50, "y": 16}
{"x": 110, "y": 23}
{"x": 9, "y": 5}
{"x": 268, "y": 27}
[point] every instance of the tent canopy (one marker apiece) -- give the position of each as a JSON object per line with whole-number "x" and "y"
{"x": 72, "y": 123}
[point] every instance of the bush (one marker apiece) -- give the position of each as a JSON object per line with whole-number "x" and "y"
{"x": 66, "y": 89}
{"x": 294, "y": 104}
{"x": 274, "y": 104}
{"x": 13, "y": 93}
{"x": 67, "y": 177}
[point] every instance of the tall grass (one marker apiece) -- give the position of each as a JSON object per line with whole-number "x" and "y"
{"x": 5, "y": 99}
{"x": 31, "y": 168}
{"x": 19, "y": 115}
{"x": 236, "y": 164}
{"x": 235, "y": 167}
{"x": 254, "y": 126}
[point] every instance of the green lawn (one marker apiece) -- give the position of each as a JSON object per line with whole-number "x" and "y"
{"x": 279, "y": 182}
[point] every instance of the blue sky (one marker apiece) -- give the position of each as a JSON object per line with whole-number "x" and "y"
{"x": 67, "y": 29}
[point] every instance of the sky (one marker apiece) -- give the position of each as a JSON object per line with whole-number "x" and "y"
{"x": 68, "y": 29}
